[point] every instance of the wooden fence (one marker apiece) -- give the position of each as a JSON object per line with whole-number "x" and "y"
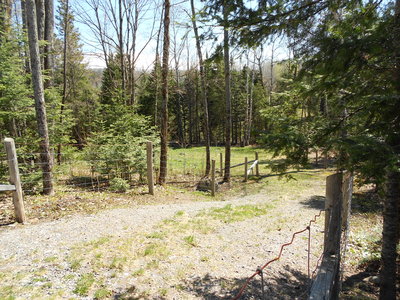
{"x": 339, "y": 189}
{"x": 15, "y": 181}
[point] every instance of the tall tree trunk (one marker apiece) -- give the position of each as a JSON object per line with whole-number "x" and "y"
{"x": 228, "y": 113}
{"x": 48, "y": 36}
{"x": 164, "y": 104}
{"x": 26, "y": 46}
{"x": 390, "y": 234}
{"x": 40, "y": 18}
{"x": 40, "y": 106}
{"x": 65, "y": 58}
{"x": 203, "y": 91}
{"x": 121, "y": 48}
{"x": 156, "y": 70}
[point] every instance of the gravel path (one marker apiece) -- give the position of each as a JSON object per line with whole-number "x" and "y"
{"x": 195, "y": 256}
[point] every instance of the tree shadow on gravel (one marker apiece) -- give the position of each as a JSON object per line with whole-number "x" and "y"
{"x": 287, "y": 284}
{"x": 315, "y": 202}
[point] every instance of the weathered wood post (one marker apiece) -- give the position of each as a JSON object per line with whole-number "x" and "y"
{"x": 316, "y": 158}
{"x": 18, "y": 198}
{"x": 220, "y": 163}
{"x": 335, "y": 198}
{"x": 347, "y": 192}
{"x": 257, "y": 170}
{"x": 213, "y": 178}
{"x": 334, "y": 189}
{"x": 245, "y": 169}
{"x": 150, "y": 177}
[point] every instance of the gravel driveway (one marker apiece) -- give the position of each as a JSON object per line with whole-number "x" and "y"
{"x": 194, "y": 250}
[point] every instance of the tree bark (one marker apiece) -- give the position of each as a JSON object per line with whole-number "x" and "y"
{"x": 40, "y": 106}
{"x": 203, "y": 91}
{"x": 164, "y": 104}
{"x": 65, "y": 58}
{"x": 48, "y": 36}
{"x": 40, "y": 18}
{"x": 228, "y": 113}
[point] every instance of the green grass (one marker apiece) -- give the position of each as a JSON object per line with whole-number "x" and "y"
{"x": 230, "y": 214}
{"x": 84, "y": 284}
{"x": 190, "y": 240}
{"x": 192, "y": 160}
{"x": 102, "y": 293}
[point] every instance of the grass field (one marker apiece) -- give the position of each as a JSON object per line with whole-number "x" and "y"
{"x": 192, "y": 160}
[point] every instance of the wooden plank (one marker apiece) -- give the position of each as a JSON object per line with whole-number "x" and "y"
{"x": 18, "y": 198}
{"x": 334, "y": 196}
{"x": 150, "y": 176}
{"x": 213, "y": 177}
{"x": 257, "y": 169}
{"x": 242, "y": 164}
{"x": 245, "y": 169}
{"x": 255, "y": 163}
{"x": 323, "y": 285}
{"x": 7, "y": 187}
{"x": 347, "y": 191}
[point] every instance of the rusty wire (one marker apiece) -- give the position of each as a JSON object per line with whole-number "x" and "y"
{"x": 259, "y": 270}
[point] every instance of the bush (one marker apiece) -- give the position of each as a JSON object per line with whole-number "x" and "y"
{"x": 119, "y": 185}
{"x": 120, "y": 151}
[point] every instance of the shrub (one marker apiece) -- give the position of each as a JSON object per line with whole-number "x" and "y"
{"x": 119, "y": 185}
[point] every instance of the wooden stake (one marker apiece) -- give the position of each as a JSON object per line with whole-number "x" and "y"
{"x": 245, "y": 169}
{"x": 18, "y": 198}
{"x": 213, "y": 178}
{"x": 257, "y": 170}
{"x": 335, "y": 199}
{"x": 150, "y": 176}
{"x": 220, "y": 163}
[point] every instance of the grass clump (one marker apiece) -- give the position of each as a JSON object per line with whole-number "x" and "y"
{"x": 102, "y": 293}
{"x": 84, "y": 284}
{"x": 230, "y": 214}
{"x": 190, "y": 240}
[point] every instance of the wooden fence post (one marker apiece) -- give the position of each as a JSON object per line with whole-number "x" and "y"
{"x": 347, "y": 192}
{"x": 18, "y": 198}
{"x": 245, "y": 169}
{"x": 334, "y": 196}
{"x": 150, "y": 177}
{"x": 220, "y": 163}
{"x": 213, "y": 178}
{"x": 257, "y": 170}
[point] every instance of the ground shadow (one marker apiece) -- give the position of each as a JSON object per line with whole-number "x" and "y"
{"x": 315, "y": 202}
{"x": 287, "y": 284}
{"x": 362, "y": 285}
{"x": 87, "y": 183}
{"x": 366, "y": 202}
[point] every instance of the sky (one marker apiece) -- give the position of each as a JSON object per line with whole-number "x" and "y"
{"x": 152, "y": 11}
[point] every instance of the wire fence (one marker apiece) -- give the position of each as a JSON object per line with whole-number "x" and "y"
{"x": 260, "y": 271}
{"x": 77, "y": 170}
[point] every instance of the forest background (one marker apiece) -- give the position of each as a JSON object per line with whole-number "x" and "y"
{"x": 336, "y": 90}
